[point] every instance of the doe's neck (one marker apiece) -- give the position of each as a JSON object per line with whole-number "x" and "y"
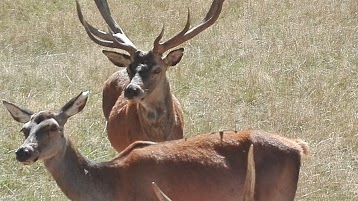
{"x": 79, "y": 178}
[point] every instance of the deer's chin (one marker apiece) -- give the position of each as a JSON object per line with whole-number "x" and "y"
{"x": 137, "y": 99}
{"x": 30, "y": 161}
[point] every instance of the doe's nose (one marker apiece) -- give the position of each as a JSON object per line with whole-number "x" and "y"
{"x": 23, "y": 154}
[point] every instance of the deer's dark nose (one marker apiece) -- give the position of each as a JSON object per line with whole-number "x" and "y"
{"x": 23, "y": 154}
{"x": 131, "y": 91}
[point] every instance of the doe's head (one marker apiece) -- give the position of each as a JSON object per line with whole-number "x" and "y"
{"x": 44, "y": 131}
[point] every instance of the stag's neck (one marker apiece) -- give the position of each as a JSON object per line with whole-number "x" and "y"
{"x": 158, "y": 110}
{"x": 158, "y": 105}
{"x": 81, "y": 179}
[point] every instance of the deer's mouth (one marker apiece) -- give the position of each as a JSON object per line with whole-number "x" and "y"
{"x": 136, "y": 100}
{"x": 27, "y": 155}
{"x": 30, "y": 162}
{"x": 139, "y": 97}
{"x": 135, "y": 93}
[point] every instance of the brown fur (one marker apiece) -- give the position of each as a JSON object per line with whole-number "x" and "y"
{"x": 128, "y": 121}
{"x": 203, "y": 168}
{"x": 249, "y": 188}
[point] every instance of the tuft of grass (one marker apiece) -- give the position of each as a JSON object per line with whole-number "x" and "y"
{"x": 288, "y": 67}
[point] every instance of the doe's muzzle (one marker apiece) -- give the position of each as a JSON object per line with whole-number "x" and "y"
{"x": 24, "y": 153}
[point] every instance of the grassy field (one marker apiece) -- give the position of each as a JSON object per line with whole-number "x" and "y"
{"x": 288, "y": 67}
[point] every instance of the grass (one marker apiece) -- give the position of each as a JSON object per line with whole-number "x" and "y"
{"x": 288, "y": 67}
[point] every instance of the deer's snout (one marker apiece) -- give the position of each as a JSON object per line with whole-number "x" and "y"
{"x": 133, "y": 91}
{"x": 24, "y": 153}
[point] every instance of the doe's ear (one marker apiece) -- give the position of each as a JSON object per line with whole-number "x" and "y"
{"x": 174, "y": 57}
{"x": 118, "y": 59}
{"x": 75, "y": 105}
{"x": 21, "y": 115}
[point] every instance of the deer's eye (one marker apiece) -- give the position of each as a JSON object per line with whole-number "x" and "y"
{"x": 53, "y": 128}
{"x": 157, "y": 71}
{"x": 129, "y": 71}
{"x": 25, "y": 131}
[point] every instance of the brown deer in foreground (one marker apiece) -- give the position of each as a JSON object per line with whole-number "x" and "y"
{"x": 249, "y": 187}
{"x": 137, "y": 102}
{"x": 208, "y": 167}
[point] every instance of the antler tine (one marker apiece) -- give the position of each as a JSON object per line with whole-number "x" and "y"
{"x": 103, "y": 8}
{"x": 101, "y": 34}
{"x": 157, "y": 40}
{"x": 250, "y": 180}
{"x": 186, "y": 34}
{"x": 93, "y": 32}
{"x": 123, "y": 42}
{"x": 159, "y": 47}
{"x": 159, "y": 193}
{"x": 114, "y": 39}
{"x": 118, "y": 32}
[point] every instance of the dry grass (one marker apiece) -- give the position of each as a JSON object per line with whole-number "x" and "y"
{"x": 288, "y": 67}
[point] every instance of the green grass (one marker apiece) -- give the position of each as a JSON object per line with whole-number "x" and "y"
{"x": 288, "y": 67}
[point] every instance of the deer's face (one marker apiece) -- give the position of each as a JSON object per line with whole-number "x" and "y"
{"x": 43, "y": 138}
{"x": 146, "y": 71}
{"x": 43, "y": 131}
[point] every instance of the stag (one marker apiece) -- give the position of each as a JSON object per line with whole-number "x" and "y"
{"x": 137, "y": 101}
{"x": 208, "y": 167}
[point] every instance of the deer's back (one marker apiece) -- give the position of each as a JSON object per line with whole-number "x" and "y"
{"x": 213, "y": 166}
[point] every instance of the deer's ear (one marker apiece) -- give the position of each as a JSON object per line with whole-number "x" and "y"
{"x": 75, "y": 105}
{"x": 174, "y": 57}
{"x": 19, "y": 114}
{"x": 118, "y": 59}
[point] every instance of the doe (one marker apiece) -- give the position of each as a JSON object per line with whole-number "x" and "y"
{"x": 208, "y": 167}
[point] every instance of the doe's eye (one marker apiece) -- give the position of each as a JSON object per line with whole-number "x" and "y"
{"x": 128, "y": 71}
{"x": 25, "y": 131}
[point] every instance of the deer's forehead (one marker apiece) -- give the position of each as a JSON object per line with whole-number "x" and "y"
{"x": 145, "y": 61}
{"x": 42, "y": 116}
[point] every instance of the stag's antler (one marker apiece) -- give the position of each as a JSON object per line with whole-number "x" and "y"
{"x": 115, "y": 38}
{"x": 186, "y": 34}
{"x": 250, "y": 181}
{"x": 159, "y": 193}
